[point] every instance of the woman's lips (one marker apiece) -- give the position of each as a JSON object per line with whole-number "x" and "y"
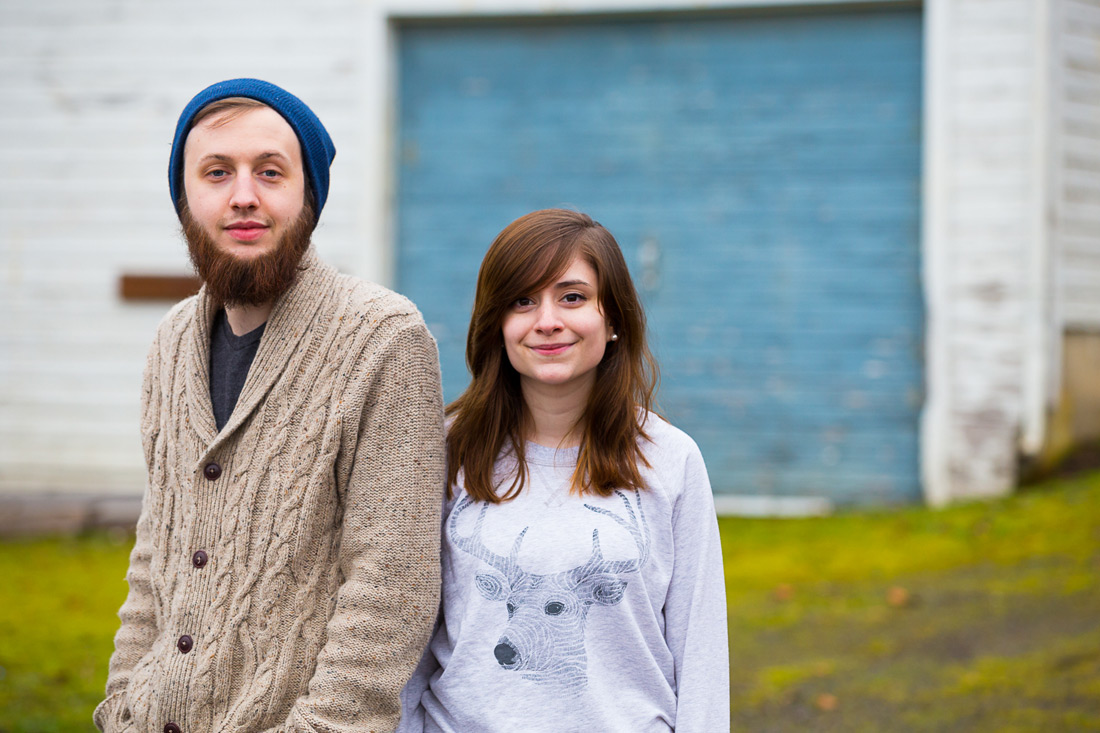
{"x": 550, "y": 349}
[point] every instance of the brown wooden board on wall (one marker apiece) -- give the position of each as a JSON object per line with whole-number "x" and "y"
{"x": 157, "y": 287}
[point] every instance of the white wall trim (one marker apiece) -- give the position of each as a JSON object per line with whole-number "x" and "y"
{"x": 1055, "y": 147}
{"x": 375, "y": 210}
{"x": 741, "y": 505}
{"x": 408, "y": 9}
{"x": 1039, "y": 335}
{"x": 936, "y": 258}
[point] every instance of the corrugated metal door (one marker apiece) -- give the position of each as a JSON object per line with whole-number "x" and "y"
{"x": 762, "y": 176}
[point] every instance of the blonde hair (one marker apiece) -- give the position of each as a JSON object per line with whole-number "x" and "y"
{"x": 226, "y": 110}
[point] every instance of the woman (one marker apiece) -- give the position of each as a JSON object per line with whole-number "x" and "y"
{"x": 582, "y": 572}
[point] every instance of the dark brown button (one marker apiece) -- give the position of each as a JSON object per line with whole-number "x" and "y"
{"x": 212, "y": 471}
{"x": 199, "y": 559}
{"x": 185, "y": 644}
{"x": 172, "y": 728}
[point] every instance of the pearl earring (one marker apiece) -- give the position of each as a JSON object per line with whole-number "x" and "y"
{"x": 614, "y": 337}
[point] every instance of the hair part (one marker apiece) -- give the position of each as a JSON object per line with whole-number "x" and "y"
{"x": 491, "y": 415}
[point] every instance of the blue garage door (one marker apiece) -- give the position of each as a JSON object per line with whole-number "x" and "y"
{"x": 762, "y": 176}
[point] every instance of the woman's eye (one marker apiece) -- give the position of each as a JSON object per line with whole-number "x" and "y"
{"x": 573, "y": 298}
{"x": 523, "y": 303}
{"x": 554, "y": 608}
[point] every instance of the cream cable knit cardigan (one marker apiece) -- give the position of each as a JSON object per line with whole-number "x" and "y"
{"x": 320, "y": 530}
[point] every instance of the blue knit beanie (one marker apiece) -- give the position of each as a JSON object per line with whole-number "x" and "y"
{"x": 317, "y": 148}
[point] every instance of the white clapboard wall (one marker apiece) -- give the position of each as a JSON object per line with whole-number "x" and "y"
{"x": 988, "y": 347}
{"x": 91, "y": 93}
{"x": 1076, "y": 160}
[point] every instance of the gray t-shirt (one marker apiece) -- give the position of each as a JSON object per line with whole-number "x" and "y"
{"x": 231, "y": 357}
{"x": 568, "y": 613}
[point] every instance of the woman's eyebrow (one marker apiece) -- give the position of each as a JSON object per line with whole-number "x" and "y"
{"x": 571, "y": 283}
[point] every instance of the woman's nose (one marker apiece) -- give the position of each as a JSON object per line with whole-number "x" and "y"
{"x": 548, "y": 319}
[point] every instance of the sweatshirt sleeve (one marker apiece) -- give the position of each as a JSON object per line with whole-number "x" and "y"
{"x": 389, "y": 547}
{"x": 138, "y": 629}
{"x": 695, "y": 609}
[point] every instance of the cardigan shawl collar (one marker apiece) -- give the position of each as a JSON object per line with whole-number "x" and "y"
{"x": 291, "y": 317}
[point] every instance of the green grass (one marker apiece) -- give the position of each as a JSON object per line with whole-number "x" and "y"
{"x": 58, "y": 618}
{"x": 984, "y": 617}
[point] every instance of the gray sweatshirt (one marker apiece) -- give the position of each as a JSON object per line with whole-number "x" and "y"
{"x": 569, "y": 613}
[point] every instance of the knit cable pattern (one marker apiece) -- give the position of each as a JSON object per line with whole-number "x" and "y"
{"x": 321, "y": 530}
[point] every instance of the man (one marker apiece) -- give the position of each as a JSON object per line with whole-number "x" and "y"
{"x": 285, "y": 572}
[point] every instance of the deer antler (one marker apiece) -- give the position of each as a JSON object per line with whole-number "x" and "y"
{"x": 637, "y": 528}
{"x": 473, "y": 545}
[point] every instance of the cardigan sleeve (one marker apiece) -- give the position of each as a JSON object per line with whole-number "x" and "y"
{"x": 138, "y": 629}
{"x": 389, "y": 547}
{"x": 695, "y": 608}
{"x": 412, "y": 712}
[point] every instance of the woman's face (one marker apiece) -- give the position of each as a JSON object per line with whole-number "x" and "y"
{"x": 555, "y": 338}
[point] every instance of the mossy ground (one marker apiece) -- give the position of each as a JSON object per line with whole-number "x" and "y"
{"x": 58, "y": 607}
{"x": 984, "y": 617}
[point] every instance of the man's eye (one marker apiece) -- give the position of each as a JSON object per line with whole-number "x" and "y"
{"x": 270, "y": 174}
{"x": 217, "y": 174}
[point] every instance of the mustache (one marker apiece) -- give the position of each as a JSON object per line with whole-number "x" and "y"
{"x": 229, "y": 223}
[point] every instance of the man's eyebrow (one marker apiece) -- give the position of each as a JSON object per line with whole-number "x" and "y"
{"x": 222, "y": 158}
{"x": 272, "y": 154}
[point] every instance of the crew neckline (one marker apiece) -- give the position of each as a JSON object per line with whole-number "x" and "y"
{"x": 544, "y": 455}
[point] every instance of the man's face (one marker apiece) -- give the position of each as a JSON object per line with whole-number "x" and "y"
{"x": 244, "y": 212}
{"x": 244, "y": 181}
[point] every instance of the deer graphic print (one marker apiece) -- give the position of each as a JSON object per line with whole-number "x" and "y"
{"x": 543, "y": 638}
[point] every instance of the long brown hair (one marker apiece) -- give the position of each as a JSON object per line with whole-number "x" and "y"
{"x": 491, "y": 415}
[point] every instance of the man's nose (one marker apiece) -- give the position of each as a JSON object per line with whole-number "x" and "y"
{"x": 244, "y": 195}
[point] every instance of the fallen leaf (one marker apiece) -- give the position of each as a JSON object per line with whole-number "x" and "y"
{"x": 783, "y": 592}
{"x": 899, "y": 597}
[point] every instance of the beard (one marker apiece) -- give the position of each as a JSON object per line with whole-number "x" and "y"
{"x": 234, "y": 281}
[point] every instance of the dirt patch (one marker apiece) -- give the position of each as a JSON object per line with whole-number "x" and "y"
{"x": 1082, "y": 460}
